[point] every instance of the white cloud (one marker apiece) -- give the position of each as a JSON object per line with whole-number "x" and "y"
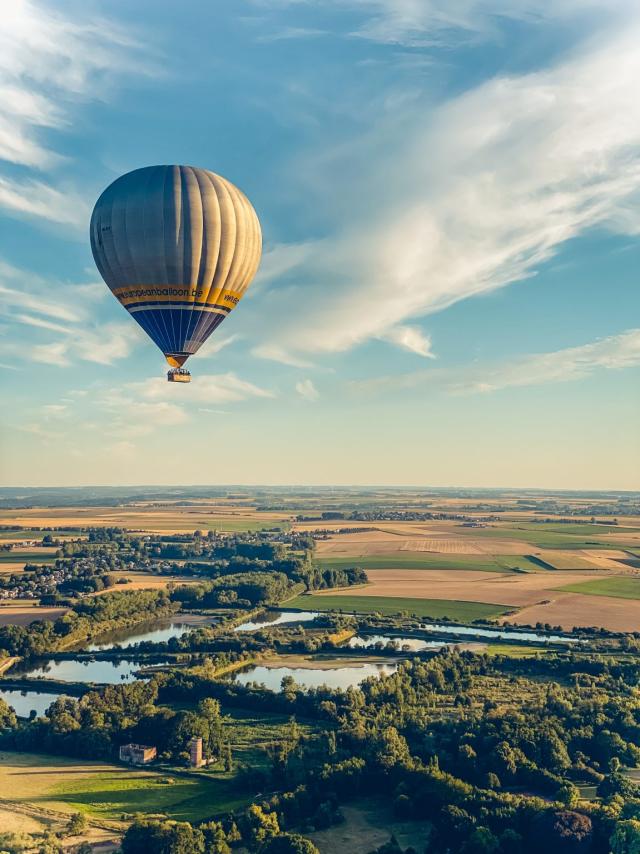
{"x": 307, "y": 390}
{"x": 427, "y": 22}
{"x": 573, "y": 363}
{"x": 104, "y": 346}
{"x": 51, "y": 354}
{"x": 40, "y": 323}
{"x": 204, "y": 388}
{"x": 614, "y": 353}
{"x": 28, "y": 299}
{"x": 36, "y": 198}
{"x": 48, "y": 63}
{"x": 411, "y": 338}
{"x": 215, "y": 344}
{"x": 467, "y": 198}
{"x": 277, "y": 354}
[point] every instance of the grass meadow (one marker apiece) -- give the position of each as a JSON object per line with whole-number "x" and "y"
{"x": 108, "y": 791}
{"x": 616, "y": 588}
{"x": 436, "y": 609}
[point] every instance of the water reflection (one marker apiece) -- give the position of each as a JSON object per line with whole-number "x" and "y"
{"x": 308, "y": 677}
{"x": 499, "y": 634}
{"x": 24, "y": 702}
{"x": 105, "y": 672}
{"x": 159, "y": 632}
{"x": 412, "y": 644}
{"x": 276, "y": 618}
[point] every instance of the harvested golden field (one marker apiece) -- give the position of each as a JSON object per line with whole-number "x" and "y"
{"x": 160, "y": 518}
{"x": 570, "y": 559}
{"x": 410, "y": 538}
{"x": 146, "y": 581}
{"x": 9, "y": 567}
{"x": 517, "y": 589}
{"x": 22, "y": 613}
{"x": 571, "y": 610}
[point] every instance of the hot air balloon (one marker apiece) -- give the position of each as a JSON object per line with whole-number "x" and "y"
{"x": 178, "y": 247}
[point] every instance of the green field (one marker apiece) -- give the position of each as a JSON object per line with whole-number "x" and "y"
{"x": 389, "y": 605}
{"x": 238, "y": 526}
{"x": 107, "y": 791}
{"x": 555, "y": 536}
{"x": 186, "y": 798}
{"x": 431, "y": 560}
{"x": 616, "y": 588}
{"x": 27, "y": 557}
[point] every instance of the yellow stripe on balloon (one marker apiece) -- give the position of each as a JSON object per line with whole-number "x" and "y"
{"x": 136, "y": 294}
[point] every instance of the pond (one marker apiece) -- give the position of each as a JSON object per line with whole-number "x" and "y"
{"x": 413, "y": 644}
{"x": 498, "y": 634}
{"x": 156, "y": 632}
{"x": 276, "y": 618}
{"x": 313, "y": 677}
{"x": 77, "y": 670}
{"x": 25, "y": 701}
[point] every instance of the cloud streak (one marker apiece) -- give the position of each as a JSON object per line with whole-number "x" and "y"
{"x": 467, "y": 198}
{"x": 49, "y": 62}
{"x": 614, "y": 353}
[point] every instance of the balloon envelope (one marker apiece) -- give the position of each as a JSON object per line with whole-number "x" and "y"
{"x": 178, "y": 247}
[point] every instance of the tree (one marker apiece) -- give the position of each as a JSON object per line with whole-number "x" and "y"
{"x": 626, "y": 837}
{"x": 288, "y": 843}
{"x": 8, "y": 719}
{"x": 215, "y": 838}
{"x": 568, "y": 794}
{"x": 481, "y": 841}
{"x": 262, "y": 825}
{"x": 563, "y": 831}
{"x": 77, "y": 824}
{"x": 162, "y": 837}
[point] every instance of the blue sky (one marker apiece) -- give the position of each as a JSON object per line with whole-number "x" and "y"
{"x": 449, "y": 194}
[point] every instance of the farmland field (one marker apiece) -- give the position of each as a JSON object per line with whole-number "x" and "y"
{"x": 617, "y": 588}
{"x": 423, "y": 560}
{"x": 17, "y": 613}
{"x": 163, "y": 518}
{"x": 434, "y": 608}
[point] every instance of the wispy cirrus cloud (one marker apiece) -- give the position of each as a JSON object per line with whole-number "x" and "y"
{"x": 613, "y": 353}
{"x": 464, "y": 199}
{"x": 429, "y": 23}
{"x": 66, "y": 310}
{"x": 49, "y": 63}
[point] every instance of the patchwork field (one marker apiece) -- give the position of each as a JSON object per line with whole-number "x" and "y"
{"x": 508, "y": 589}
{"x": 163, "y": 518}
{"x": 508, "y": 561}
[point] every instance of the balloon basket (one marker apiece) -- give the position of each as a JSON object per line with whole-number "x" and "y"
{"x": 178, "y": 375}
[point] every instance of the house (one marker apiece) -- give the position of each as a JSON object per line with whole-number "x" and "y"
{"x": 137, "y": 754}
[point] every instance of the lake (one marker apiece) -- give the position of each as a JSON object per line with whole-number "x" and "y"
{"x": 311, "y": 677}
{"x": 498, "y": 634}
{"x": 24, "y": 701}
{"x": 276, "y": 618}
{"x": 75, "y": 670}
{"x": 158, "y": 632}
